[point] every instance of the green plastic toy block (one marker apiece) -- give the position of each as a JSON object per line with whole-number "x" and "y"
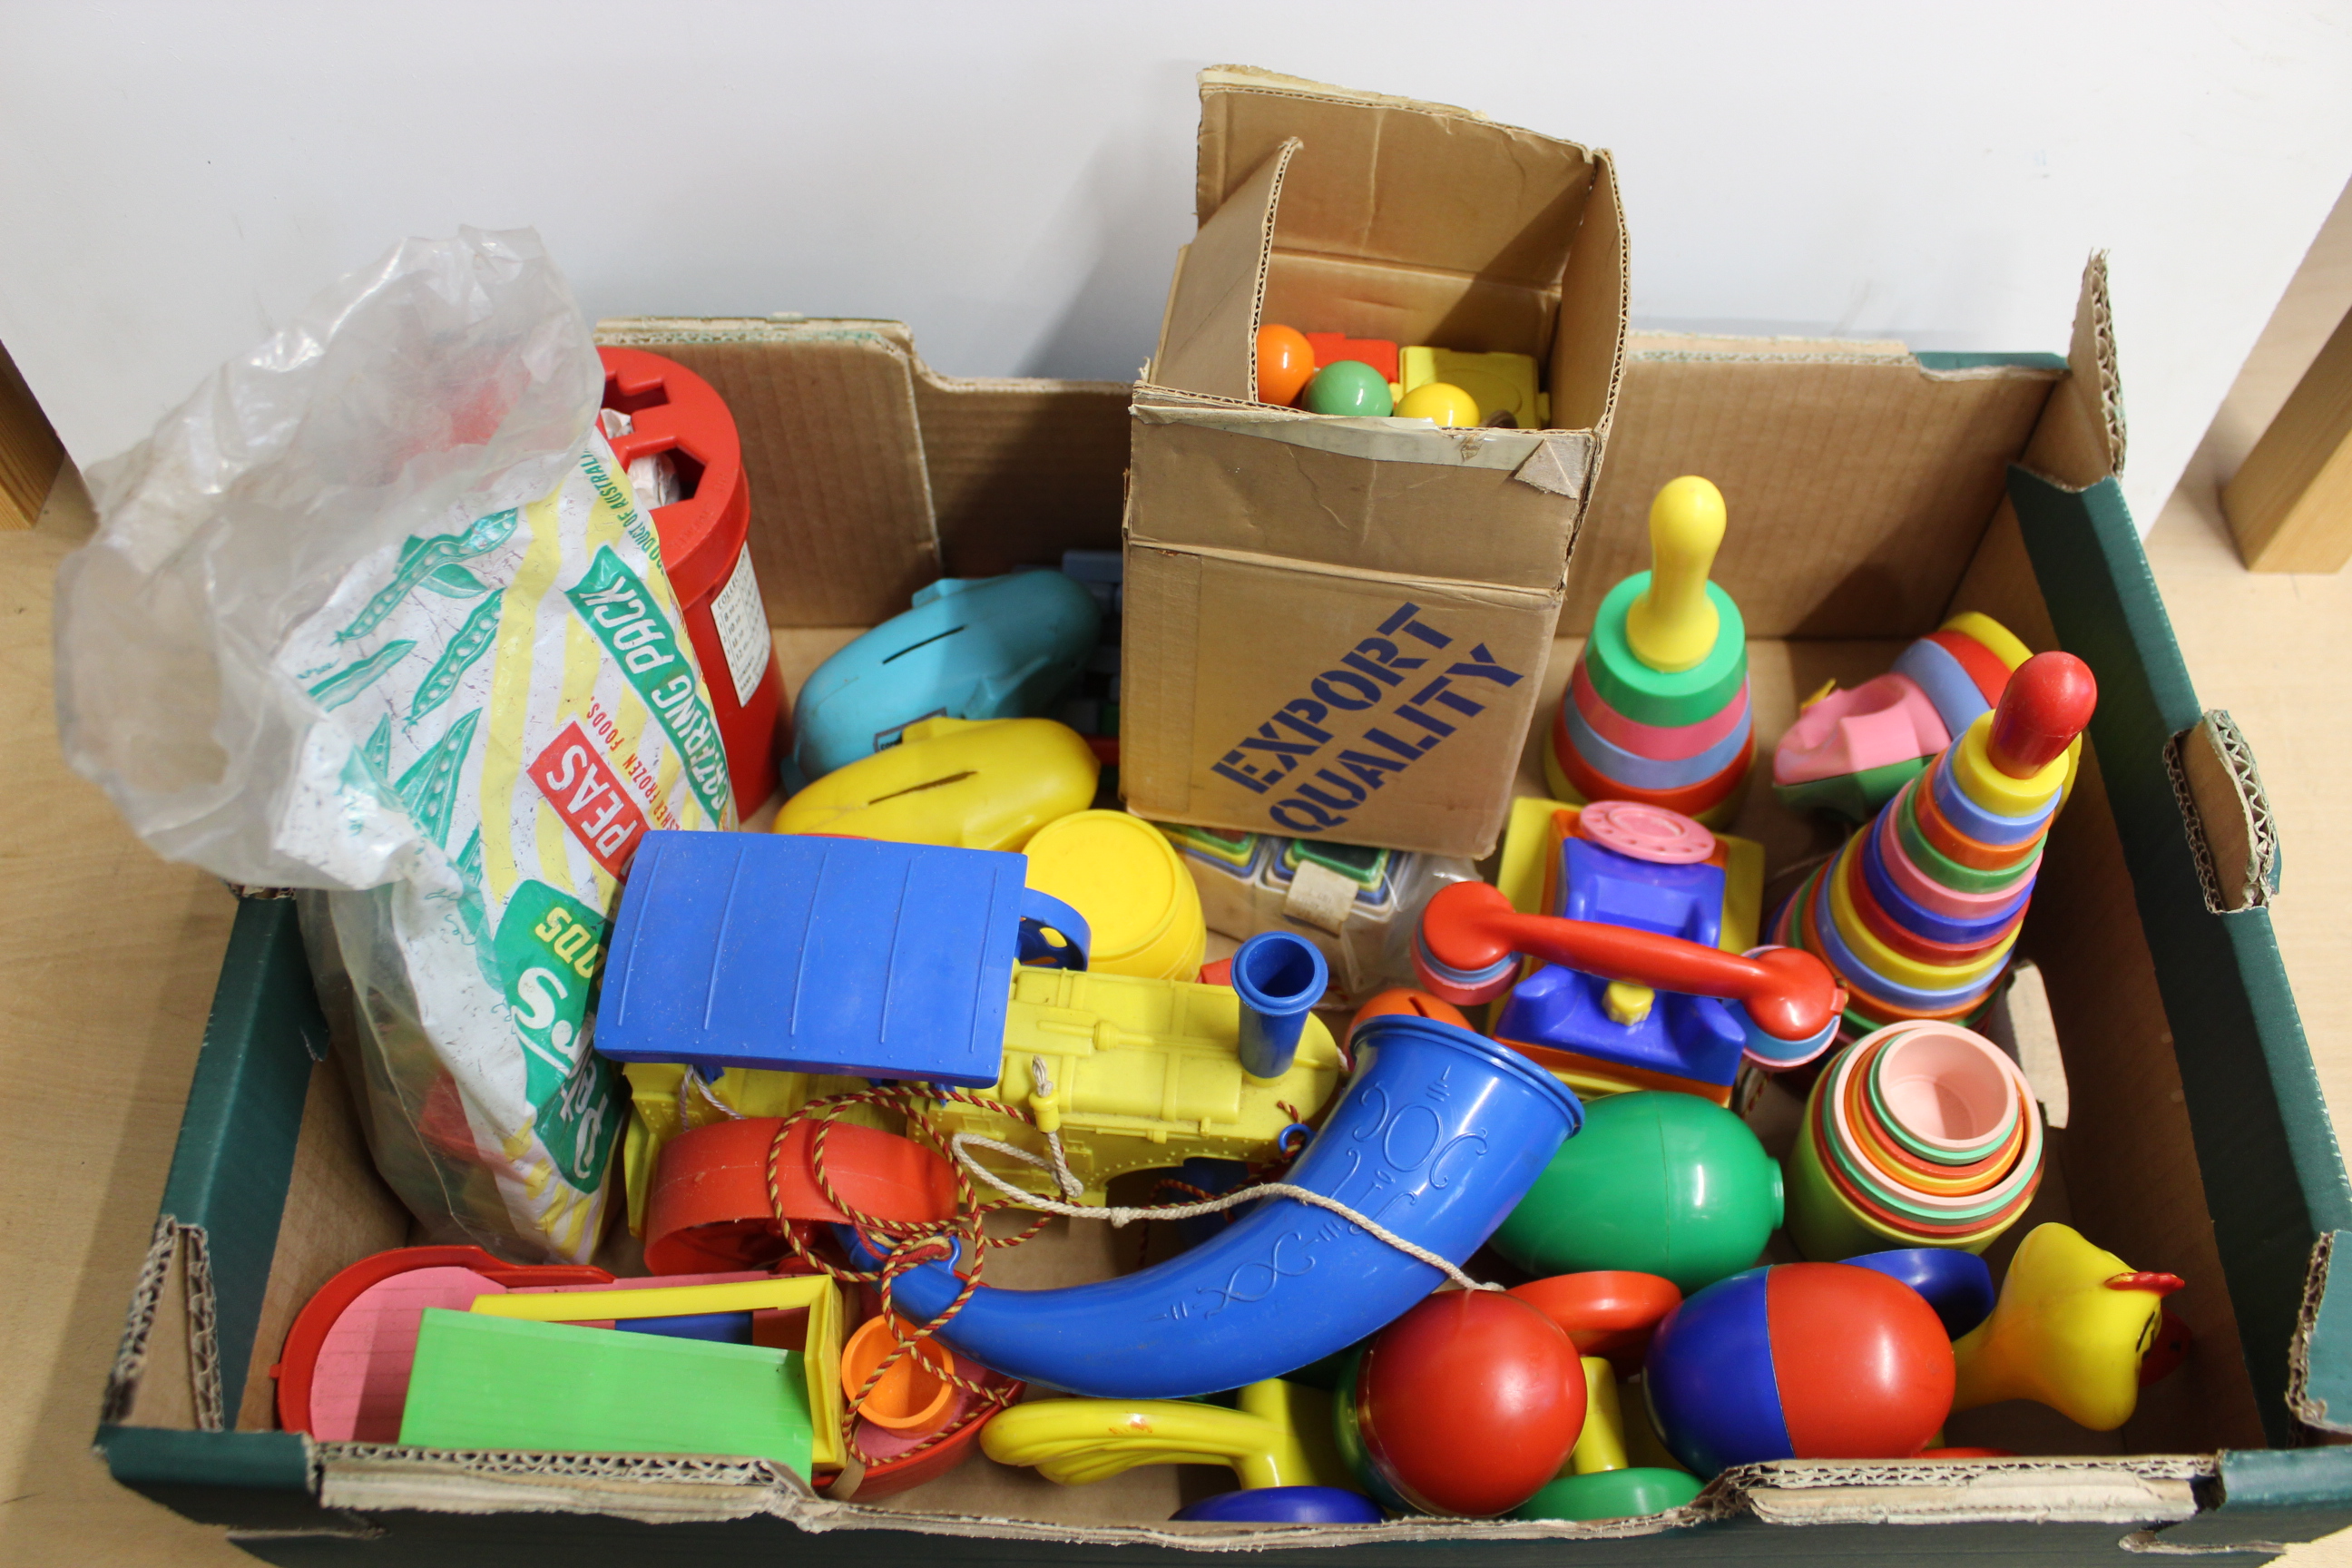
{"x": 495, "y": 1383}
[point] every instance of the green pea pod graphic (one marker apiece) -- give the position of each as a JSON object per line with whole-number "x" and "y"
{"x": 378, "y": 750}
{"x": 429, "y": 787}
{"x": 421, "y": 558}
{"x": 353, "y": 678}
{"x": 455, "y": 582}
{"x": 473, "y": 641}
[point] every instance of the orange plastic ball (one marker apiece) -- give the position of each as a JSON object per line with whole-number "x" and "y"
{"x": 1285, "y": 363}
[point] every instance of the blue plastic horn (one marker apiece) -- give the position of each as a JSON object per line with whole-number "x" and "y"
{"x": 1437, "y": 1139}
{"x": 1279, "y": 977}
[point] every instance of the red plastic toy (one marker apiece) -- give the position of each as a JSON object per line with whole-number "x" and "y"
{"x": 383, "y": 1384}
{"x": 1333, "y": 347}
{"x": 708, "y": 1206}
{"x": 1606, "y": 1311}
{"x": 703, "y": 549}
{"x": 1466, "y": 1405}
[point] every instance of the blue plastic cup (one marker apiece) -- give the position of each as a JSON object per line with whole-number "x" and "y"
{"x": 1279, "y": 977}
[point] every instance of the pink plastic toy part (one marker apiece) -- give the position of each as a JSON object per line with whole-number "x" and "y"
{"x": 1949, "y": 1086}
{"x": 1879, "y": 724}
{"x": 359, "y": 1387}
{"x": 1659, "y": 742}
{"x": 1649, "y": 833}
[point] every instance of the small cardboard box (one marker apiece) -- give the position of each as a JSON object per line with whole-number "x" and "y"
{"x": 1302, "y": 591}
{"x": 1871, "y": 489}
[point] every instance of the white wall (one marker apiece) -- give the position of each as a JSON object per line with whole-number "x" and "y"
{"x": 1013, "y": 179}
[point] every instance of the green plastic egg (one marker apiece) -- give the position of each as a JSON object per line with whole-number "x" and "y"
{"x": 1349, "y": 386}
{"x": 1659, "y": 1183}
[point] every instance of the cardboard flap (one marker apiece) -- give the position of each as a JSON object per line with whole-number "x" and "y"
{"x": 1588, "y": 346}
{"x": 1208, "y": 343}
{"x": 2225, "y": 813}
{"x": 1381, "y": 179}
{"x": 2080, "y": 438}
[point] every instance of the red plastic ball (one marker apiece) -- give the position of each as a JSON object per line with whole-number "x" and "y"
{"x": 1863, "y": 1365}
{"x": 1469, "y": 1402}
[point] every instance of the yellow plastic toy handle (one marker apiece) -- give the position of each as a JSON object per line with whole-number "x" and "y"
{"x": 1672, "y": 626}
{"x": 1073, "y": 1442}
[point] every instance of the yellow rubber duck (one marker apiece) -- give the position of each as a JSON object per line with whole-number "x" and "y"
{"x": 2069, "y": 1331}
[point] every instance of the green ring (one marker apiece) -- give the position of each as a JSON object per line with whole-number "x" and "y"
{"x": 1649, "y": 696}
{"x": 1951, "y": 873}
{"x": 1909, "y": 1140}
{"x": 1631, "y": 1493}
{"x": 1874, "y": 1184}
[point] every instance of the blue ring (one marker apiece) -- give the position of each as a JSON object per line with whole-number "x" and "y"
{"x": 1931, "y": 666}
{"x": 1467, "y": 979}
{"x": 1615, "y": 764}
{"x": 1926, "y": 922}
{"x": 1772, "y": 1051}
{"x": 1985, "y": 827}
{"x": 1842, "y": 958}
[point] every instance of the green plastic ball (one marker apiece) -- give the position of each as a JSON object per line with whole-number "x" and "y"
{"x": 1349, "y": 386}
{"x": 1660, "y": 1183}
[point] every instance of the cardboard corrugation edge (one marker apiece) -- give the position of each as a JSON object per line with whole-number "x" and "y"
{"x": 2319, "y": 1363}
{"x": 2225, "y": 813}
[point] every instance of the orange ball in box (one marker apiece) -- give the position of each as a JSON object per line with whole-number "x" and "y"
{"x": 1284, "y": 364}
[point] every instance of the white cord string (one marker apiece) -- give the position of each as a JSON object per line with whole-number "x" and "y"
{"x": 692, "y": 1079}
{"x": 962, "y": 1143}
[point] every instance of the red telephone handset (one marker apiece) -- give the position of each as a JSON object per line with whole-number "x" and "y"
{"x": 1785, "y": 998}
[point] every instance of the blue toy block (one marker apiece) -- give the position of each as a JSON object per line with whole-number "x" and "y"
{"x": 971, "y": 647}
{"x": 823, "y": 956}
{"x": 1690, "y": 1037}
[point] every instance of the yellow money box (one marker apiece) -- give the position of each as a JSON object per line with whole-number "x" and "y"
{"x": 986, "y": 784}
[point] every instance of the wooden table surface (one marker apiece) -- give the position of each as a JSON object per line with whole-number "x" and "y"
{"x": 108, "y": 956}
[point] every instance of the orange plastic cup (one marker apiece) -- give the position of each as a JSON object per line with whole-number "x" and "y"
{"x": 914, "y": 1395}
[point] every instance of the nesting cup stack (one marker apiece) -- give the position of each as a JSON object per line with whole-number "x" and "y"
{"x": 1656, "y": 710}
{"x": 1917, "y": 914}
{"x": 1922, "y": 1134}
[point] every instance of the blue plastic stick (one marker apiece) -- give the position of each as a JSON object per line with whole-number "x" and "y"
{"x": 1279, "y": 977}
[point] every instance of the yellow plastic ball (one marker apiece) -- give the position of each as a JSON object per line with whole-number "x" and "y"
{"x": 1438, "y": 401}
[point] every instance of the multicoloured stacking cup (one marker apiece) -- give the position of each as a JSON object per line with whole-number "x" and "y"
{"x": 1917, "y": 915}
{"x": 1656, "y": 710}
{"x": 1850, "y": 752}
{"x": 1921, "y": 1134}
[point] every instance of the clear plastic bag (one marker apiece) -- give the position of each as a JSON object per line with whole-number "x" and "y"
{"x": 374, "y": 614}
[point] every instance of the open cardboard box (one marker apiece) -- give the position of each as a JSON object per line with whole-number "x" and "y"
{"x": 1273, "y": 554}
{"x": 1869, "y": 489}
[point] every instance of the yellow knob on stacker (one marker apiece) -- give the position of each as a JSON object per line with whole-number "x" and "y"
{"x": 1672, "y": 625}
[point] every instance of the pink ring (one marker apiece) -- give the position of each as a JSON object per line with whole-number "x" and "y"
{"x": 1927, "y": 892}
{"x": 1649, "y": 833}
{"x": 1658, "y": 742}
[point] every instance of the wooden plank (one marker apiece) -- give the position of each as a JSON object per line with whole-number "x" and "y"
{"x": 30, "y": 452}
{"x": 2291, "y": 503}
